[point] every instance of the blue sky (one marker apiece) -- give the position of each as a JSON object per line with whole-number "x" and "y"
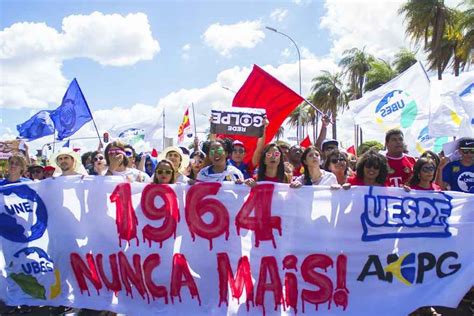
{"x": 133, "y": 58}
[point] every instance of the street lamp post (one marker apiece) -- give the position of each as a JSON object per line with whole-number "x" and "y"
{"x": 299, "y": 127}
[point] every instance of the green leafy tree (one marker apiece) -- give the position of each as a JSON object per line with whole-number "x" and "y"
{"x": 355, "y": 64}
{"x": 368, "y": 145}
{"x": 426, "y": 21}
{"x": 380, "y": 72}
{"x": 328, "y": 95}
{"x": 404, "y": 59}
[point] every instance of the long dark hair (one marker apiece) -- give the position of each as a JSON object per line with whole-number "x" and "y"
{"x": 201, "y": 155}
{"x": 415, "y": 179}
{"x": 307, "y": 176}
{"x": 373, "y": 158}
{"x": 336, "y": 153}
{"x": 262, "y": 167}
{"x": 431, "y": 155}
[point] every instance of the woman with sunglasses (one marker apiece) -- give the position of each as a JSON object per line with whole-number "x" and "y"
{"x": 99, "y": 164}
{"x": 180, "y": 162}
{"x": 371, "y": 170}
{"x": 219, "y": 170}
{"x": 197, "y": 163}
{"x": 424, "y": 172}
{"x": 164, "y": 172}
{"x": 337, "y": 163}
{"x": 313, "y": 175}
{"x": 118, "y": 163}
{"x": 271, "y": 166}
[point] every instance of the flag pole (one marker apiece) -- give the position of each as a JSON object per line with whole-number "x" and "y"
{"x": 164, "y": 128}
{"x": 194, "y": 120}
{"x": 54, "y": 138}
{"x": 90, "y": 112}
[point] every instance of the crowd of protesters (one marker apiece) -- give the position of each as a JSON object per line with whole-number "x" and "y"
{"x": 218, "y": 160}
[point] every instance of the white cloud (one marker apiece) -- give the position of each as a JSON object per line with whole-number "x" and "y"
{"x": 185, "y": 51}
{"x": 286, "y": 52}
{"x": 278, "y": 14}
{"x": 370, "y": 24}
{"x": 225, "y": 38}
{"x": 32, "y": 54}
{"x": 301, "y": 2}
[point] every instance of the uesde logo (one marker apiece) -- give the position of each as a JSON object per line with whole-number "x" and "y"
{"x": 387, "y": 216}
{"x": 411, "y": 268}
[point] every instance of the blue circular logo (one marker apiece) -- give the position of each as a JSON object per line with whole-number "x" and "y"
{"x": 18, "y": 200}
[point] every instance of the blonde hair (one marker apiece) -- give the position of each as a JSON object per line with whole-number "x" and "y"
{"x": 19, "y": 160}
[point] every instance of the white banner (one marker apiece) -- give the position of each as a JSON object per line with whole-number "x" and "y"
{"x": 214, "y": 249}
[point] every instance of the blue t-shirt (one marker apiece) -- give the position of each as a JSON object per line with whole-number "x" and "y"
{"x": 243, "y": 167}
{"x": 6, "y": 181}
{"x": 459, "y": 177}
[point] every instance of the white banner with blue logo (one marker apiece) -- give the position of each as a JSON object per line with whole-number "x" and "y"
{"x": 213, "y": 249}
{"x": 404, "y": 103}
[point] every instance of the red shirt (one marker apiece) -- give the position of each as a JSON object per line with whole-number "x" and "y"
{"x": 400, "y": 170}
{"x": 434, "y": 187}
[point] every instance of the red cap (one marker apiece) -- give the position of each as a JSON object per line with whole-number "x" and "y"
{"x": 49, "y": 168}
{"x": 238, "y": 143}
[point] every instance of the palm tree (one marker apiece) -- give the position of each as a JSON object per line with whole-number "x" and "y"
{"x": 328, "y": 95}
{"x": 467, "y": 23}
{"x": 455, "y": 41}
{"x": 293, "y": 121}
{"x": 404, "y": 59}
{"x": 426, "y": 20}
{"x": 356, "y": 63}
{"x": 380, "y": 72}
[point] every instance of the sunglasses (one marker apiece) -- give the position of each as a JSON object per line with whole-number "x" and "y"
{"x": 218, "y": 151}
{"x": 275, "y": 154}
{"x": 98, "y": 158}
{"x": 372, "y": 166}
{"x": 428, "y": 169}
{"x": 239, "y": 151}
{"x": 117, "y": 152}
{"x": 336, "y": 160}
{"x": 164, "y": 171}
{"x": 128, "y": 153}
{"x": 467, "y": 151}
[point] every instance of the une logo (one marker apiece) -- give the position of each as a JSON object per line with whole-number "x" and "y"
{"x": 22, "y": 205}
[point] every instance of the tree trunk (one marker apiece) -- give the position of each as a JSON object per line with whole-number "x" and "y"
{"x": 440, "y": 71}
{"x": 334, "y": 128}
{"x": 456, "y": 66}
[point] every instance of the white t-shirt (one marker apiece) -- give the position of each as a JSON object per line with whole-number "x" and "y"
{"x": 327, "y": 178}
{"x": 133, "y": 175}
{"x": 182, "y": 179}
{"x": 230, "y": 173}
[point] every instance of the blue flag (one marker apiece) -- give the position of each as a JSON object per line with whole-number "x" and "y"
{"x": 73, "y": 112}
{"x": 67, "y": 143}
{"x": 37, "y": 126}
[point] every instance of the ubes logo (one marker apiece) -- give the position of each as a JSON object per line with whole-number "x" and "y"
{"x": 396, "y": 105}
{"x": 411, "y": 268}
{"x": 33, "y": 271}
{"x": 386, "y": 216}
{"x": 425, "y": 142}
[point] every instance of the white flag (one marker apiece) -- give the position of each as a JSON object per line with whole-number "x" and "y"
{"x": 401, "y": 103}
{"x": 452, "y": 106}
{"x": 143, "y": 135}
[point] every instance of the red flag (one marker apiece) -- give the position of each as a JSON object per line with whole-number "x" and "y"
{"x": 184, "y": 127}
{"x": 154, "y": 153}
{"x": 263, "y": 91}
{"x": 351, "y": 150}
{"x": 306, "y": 142}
